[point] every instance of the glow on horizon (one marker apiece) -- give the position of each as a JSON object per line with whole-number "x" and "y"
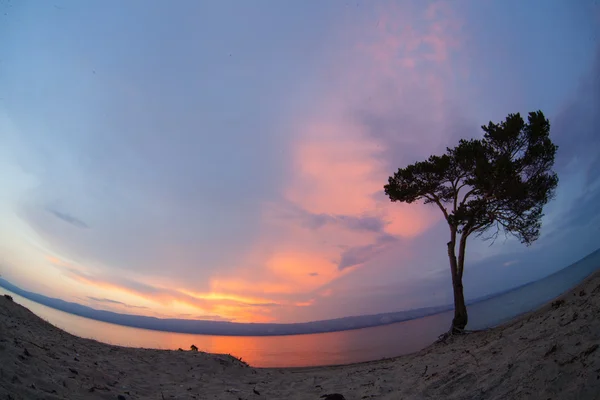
{"x": 152, "y": 171}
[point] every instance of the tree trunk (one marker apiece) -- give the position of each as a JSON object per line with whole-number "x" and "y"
{"x": 460, "y": 309}
{"x": 461, "y": 254}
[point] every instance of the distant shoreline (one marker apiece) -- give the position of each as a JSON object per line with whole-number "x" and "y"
{"x": 553, "y": 352}
{"x": 222, "y": 328}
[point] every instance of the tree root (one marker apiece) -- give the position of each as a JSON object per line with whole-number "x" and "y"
{"x": 455, "y": 332}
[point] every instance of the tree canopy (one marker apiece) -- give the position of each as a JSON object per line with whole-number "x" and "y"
{"x": 502, "y": 180}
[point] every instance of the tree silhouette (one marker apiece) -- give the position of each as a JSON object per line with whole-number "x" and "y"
{"x": 499, "y": 183}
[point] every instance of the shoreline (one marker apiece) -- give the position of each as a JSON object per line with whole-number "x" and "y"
{"x": 59, "y": 305}
{"x": 442, "y": 309}
{"x": 439, "y": 309}
{"x": 518, "y": 318}
{"x": 551, "y": 352}
{"x": 513, "y": 321}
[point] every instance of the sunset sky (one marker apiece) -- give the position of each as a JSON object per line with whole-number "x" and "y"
{"x": 225, "y": 160}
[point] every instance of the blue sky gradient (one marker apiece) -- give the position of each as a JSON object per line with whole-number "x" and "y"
{"x": 226, "y": 159}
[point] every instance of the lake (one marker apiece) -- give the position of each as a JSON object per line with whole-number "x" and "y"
{"x": 334, "y": 347}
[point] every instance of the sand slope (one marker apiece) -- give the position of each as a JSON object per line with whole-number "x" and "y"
{"x": 552, "y": 353}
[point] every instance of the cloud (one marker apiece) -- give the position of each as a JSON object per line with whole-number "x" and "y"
{"x": 509, "y": 263}
{"x": 68, "y": 218}
{"x": 342, "y": 153}
{"x": 576, "y": 130}
{"x": 178, "y": 218}
{"x": 257, "y": 194}
{"x": 359, "y": 255}
{"x": 296, "y": 214}
{"x": 372, "y": 112}
{"x": 579, "y": 118}
{"x": 220, "y": 306}
{"x": 329, "y": 216}
{"x": 109, "y": 301}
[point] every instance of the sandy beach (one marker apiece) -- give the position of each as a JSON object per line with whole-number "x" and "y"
{"x": 552, "y": 353}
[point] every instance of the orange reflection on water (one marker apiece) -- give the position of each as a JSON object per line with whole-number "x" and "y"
{"x": 263, "y": 351}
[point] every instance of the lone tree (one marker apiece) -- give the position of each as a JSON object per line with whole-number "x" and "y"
{"x": 498, "y": 183}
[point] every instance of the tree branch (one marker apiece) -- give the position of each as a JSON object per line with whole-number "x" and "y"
{"x": 435, "y": 199}
{"x": 467, "y": 195}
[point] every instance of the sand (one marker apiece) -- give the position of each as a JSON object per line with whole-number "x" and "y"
{"x": 552, "y": 353}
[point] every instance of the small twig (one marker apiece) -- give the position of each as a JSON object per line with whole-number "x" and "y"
{"x": 551, "y": 350}
{"x": 474, "y": 358}
{"x": 573, "y": 318}
{"x": 36, "y": 345}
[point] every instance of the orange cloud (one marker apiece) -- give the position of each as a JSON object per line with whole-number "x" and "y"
{"x": 304, "y": 303}
{"x": 295, "y": 268}
{"x": 214, "y": 296}
{"x": 338, "y": 164}
{"x": 229, "y": 303}
{"x": 284, "y": 274}
{"x": 55, "y": 261}
{"x": 339, "y": 167}
{"x": 407, "y": 220}
{"x": 335, "y": 169}
{"x": 178, "y": 302}
{"x": 338, "y": 171}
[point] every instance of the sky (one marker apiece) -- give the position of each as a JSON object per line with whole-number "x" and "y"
{"x": 225, "y": 160}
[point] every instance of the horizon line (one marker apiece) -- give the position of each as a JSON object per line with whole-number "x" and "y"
{"x": 214, "y": 327}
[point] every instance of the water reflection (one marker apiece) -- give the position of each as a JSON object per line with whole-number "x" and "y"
{"x": 328, "y": 348}
{"x": 264, "y": 351}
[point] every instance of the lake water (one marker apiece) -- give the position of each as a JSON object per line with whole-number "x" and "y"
{"x": 328, "y": 348}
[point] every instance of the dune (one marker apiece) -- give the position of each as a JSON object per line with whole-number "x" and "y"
{"x": 551, "y": 353}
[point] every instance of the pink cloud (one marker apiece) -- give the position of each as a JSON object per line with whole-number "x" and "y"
{"x": 340, "y": 167}
{"x": 331, "y": 220}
